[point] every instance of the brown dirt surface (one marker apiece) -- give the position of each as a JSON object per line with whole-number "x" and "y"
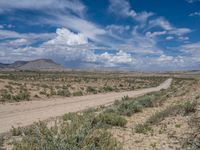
{"x": 25, "y": 113}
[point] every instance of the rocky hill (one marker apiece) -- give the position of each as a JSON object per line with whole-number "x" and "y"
{"x": 34, "y": 65}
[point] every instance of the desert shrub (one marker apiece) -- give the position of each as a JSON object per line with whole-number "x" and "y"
{"x": 125, "y": 98}
{"x": 44, "y": 86}
{"x": 91, "y": 90}
{"x": 16, "y": 131}
{"x": 143, "y": 128}
{"x": 77, "y": 132}
{"x": 102, "y": 140}
{"x": 36, "y": 96}
{"x": 43, "y": 92}
{"x": 128, "y": 109}
{"x": 52, "y": 91}
{"x": 112, "y": 119}
{"x": 22, "y": 95}
{"x": 1, "y": 142}
{"x": 6, "y": 95}
{"x": 107, "y": 88}
{"x": 64, "y": 92}
{"x": 78, "y": 93}
{"x": 189, "y": 107}
{"x": 129, "y": 106}
{"x": 159, "y": 116}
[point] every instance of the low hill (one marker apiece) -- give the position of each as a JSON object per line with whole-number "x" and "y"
{"x": 34, "y": 65}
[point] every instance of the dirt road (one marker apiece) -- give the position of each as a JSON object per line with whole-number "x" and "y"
{"x": 25, "y": 113}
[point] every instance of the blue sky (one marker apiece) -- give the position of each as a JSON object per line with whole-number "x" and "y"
{"x": 120, "y": 34}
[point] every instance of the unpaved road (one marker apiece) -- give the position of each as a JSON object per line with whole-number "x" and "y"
{"x": 25, "y": 113}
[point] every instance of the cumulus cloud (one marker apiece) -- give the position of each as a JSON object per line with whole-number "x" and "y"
{"x": 85, "y": 43}
{"x": 116, "y": 59}
{"x": 66, "y": 37}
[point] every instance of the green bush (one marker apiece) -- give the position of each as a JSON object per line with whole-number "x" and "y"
{"x": 128, "y": 108}
{"x": 6, "y": 96}
{"x": 108, "y": 89}
{"x": 159, "y": 116}
{"x": 1, "y": 142}
{"x": 22, "y": 95}
{"x": 79, "y": 93}
{"x": 16, "y": 131}
{"x": 189, "y": 107}
{"x": 143, "y": 128}
{"x": 63, "y": 92}
{"x": 112, "y": 119}
{"x": 91, "y": 90}
{"x": 77, "y": 132}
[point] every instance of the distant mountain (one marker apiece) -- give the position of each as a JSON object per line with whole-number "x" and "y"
{"x": 17, "y": 64}
{"x": 34, "y": 65}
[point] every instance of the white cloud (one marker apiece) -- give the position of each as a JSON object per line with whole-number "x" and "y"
{"x": 164, "y": 58}
{"x": 143, "y": 16}
{"x": 66, "y": 37}
{"x": 89, "y": 29}
{"x": 73, "y": 5}
{"x": 160, "y": 22}
{"x": 8, "y": 34}
{"x": 195, "y": 14}
{"x": 192, "y": 1}
{"x": 18, "y": 42}
{"x": 112, "y": 60}
{"x": 123, "y": 8}
{"x": 155, "y": 34}
{"x": 117, "y": 28}
{"x": 180, "y": 31}
{"x": 193, "y": 48}
{"x": 77, "y": 38}
{"x": 169, "y": 38}
{"x": 169, "y": 28}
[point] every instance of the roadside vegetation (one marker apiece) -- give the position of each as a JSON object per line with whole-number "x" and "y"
{"x": 29, "y": 85}
{"x": 182, "y": 109}
{"x": 88, "y": 129}
{"x": 91, "y": 129}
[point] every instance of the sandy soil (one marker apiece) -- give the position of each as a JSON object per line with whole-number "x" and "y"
{"x": 25, "y": 113}
{"x": 166, "y": 135}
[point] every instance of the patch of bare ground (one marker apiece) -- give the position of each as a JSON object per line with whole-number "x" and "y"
{"x": 169, "y": 133}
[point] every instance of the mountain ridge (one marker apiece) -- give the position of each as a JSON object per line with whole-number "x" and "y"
{"x": 34, "y": 65}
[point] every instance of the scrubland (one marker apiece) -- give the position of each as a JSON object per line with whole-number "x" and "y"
{"x": 168, "y": 119}
{"x": 28, "y": 85}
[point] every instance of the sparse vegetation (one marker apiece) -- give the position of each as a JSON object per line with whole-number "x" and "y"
{"x": 129, "y": 106}
{"x": 65, "y": 84}
{"x": 185, "y": 109}
{"x": 90, "y": 129}
{"x": 112, "y": 119}
{"x": 1, "y": 142}
{"x": 189, "y": 107}
{"x": 16, "y": 131}
{"x": 63, "y": 92}
{"x": 20, "y": 96}
{"x": 143, "y": 128}
{"x": 84, "y": 131}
